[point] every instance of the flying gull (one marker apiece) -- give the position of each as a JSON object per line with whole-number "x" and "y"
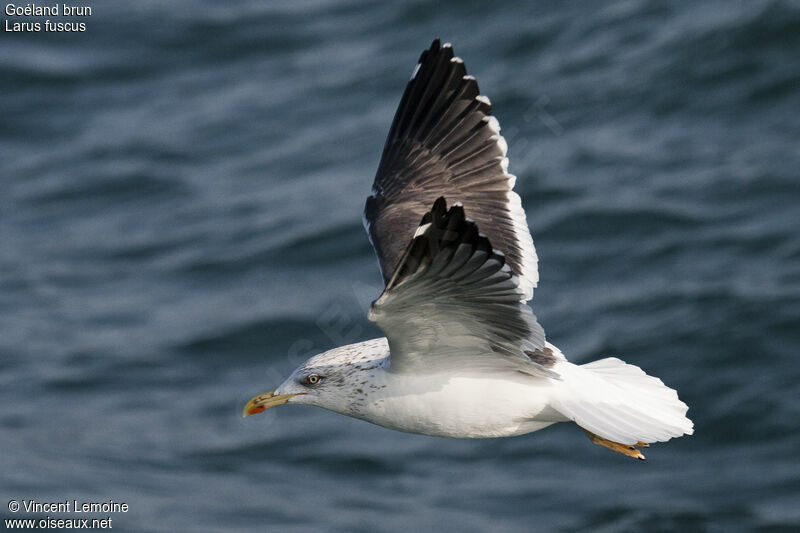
{"x": 464, "y": 355}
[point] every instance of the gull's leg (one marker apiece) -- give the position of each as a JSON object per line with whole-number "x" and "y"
{"x": 624, "y": 449}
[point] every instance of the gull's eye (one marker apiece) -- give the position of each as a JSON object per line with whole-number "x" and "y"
{"x": 313, "y": 379}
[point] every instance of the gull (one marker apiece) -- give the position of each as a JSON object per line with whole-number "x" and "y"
{"x": 464, "y": 356}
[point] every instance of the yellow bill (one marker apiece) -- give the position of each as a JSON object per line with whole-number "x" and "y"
{"x": 262, "y": 402}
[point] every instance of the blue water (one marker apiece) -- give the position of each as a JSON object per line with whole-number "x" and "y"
{"x": 180, "y": 225}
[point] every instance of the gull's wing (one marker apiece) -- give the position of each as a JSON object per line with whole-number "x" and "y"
{"x": 444, "y": 142}
{"x": 453, "y": 301}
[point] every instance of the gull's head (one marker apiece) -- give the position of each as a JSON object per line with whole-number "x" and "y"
{"x": 332, "y": 379}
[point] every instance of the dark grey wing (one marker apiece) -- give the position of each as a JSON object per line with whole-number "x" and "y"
{"x": 453, "y": 302}
{"x": 444, "y": 142}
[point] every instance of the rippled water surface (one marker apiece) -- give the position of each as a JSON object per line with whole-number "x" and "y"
{"x": 180, "y": 225}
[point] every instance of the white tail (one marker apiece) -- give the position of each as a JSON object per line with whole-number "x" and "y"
{"x": 621, "y": 403}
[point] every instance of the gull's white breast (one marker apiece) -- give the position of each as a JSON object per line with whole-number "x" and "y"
{"x": 477, "y": 406}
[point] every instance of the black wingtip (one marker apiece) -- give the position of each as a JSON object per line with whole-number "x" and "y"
{"x": 439, "y": 206}
{"x": 434, "y": 49}
{"x": 448, "y": 229}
